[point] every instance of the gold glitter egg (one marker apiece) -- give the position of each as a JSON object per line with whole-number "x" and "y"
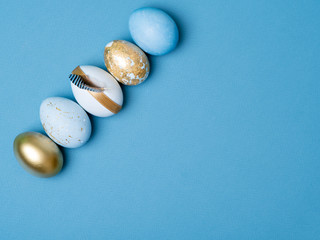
{"x": 37, "y": 154}
{"x": 126, "y": 62}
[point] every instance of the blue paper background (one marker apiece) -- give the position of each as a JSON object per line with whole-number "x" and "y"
{"x": 221, "y": 142}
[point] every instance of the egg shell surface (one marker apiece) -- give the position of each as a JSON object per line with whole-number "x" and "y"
{"x": 37, "y": 154}
{"x": 126, "y": 62}
{"x": 101, "y": 78}
{"x": 153, "y": 30}
{"x": 65, "y": 122}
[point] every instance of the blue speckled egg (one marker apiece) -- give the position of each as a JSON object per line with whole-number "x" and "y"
{"x": 153, "y": 30}
{"x": 65, "y": 122}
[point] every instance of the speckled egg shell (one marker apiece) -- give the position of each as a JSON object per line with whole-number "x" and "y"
{"x": 126, "y": 62}
{"x": 65, "y": 122}
{"x": 100, "y": 78}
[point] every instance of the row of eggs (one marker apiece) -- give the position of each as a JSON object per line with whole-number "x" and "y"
{"x": 67, "y": 123}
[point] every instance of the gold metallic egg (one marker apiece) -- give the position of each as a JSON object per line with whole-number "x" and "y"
{"x": 37, "y": 154}
{"x": 126, "y": 62}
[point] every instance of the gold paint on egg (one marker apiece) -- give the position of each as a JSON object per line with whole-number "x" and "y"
{"x": 126, "y": 62}
{"x": 101, "y": 97}
{"x": 37, "y": 154}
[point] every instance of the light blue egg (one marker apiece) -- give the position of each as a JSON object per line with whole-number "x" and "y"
{"x": 65, "y": 122}
{"x": 153, "y": 30}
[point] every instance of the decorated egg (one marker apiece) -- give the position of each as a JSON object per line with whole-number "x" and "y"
{"x": 103, "y": 103}
{"x": 126, "y": 62}
{"x": 153, "y": 30}
{"x": 37, "y": 154}
{"x": 65, "y": 122}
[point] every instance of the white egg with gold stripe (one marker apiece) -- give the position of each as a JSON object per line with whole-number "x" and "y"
{"x": 101, "y": 104}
